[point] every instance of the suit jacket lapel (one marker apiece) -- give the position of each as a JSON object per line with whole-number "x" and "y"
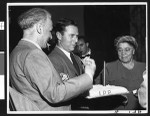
{"x": 67, "y": 60}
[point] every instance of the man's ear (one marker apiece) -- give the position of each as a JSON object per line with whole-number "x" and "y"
{"x": 39, "y": 28}
{"x": 59, "y": 35}
{"x": 87, "y": 44}
{"x": 133, "y": 52}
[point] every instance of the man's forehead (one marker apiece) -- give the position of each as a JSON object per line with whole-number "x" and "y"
{"x": 71, "y": 28}
{"x": 81, "y": 41}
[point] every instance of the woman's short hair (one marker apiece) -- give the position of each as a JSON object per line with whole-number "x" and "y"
{"x": 31, "y": 17}
{"x": 128, "y": 39}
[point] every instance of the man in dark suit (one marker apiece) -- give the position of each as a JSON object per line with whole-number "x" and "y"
{"x": 64, "y": 60}
{"x": 67, "y": 35}
{"x": 83, "y": 50}
{"x": 33, "y": 75}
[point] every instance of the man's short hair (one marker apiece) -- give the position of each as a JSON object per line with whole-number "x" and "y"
{"x": 31, "y": 17}
{"x": 83, "y": 38}
{"x": 62, "y": 24}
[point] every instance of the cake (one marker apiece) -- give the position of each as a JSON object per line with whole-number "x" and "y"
{"x": 100, "y": 90}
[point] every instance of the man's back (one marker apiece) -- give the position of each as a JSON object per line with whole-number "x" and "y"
{"x": 33, "y": 75}
{"x": 30, "y": 83}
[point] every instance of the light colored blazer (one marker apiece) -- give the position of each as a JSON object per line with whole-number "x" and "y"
{"x": 18, "y": 98}
{"x": 33, "y": 75}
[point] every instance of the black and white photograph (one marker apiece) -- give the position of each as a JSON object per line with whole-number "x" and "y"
{"x": 75, "y": 58}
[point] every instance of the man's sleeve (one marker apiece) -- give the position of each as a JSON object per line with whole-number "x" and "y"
{"x": 44, "y": 79}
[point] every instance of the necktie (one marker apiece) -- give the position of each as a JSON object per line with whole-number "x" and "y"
{"x": 74, "y": 62}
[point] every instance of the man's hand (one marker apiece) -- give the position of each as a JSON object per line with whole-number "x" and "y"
{"x": 90, "y": 66}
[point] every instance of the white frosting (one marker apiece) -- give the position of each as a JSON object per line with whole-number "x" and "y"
{"x": 100, "y": 90}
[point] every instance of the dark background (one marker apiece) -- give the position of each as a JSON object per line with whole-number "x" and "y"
{"x": 1, "y": 40}
{"x": 100, "y": 24}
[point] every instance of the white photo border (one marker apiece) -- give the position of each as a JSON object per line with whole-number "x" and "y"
{"x": 76, "y": 3}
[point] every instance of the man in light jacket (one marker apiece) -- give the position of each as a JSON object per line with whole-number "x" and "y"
{"x": 31, "y": 72}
